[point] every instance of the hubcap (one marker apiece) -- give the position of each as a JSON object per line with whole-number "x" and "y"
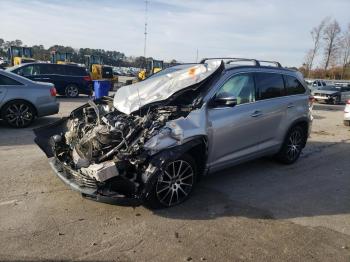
{"x": 176, "y": 182}
{"x": 72, "y": 91}
{"x": 19, "y": 114}
{"x": 294, "y": 145}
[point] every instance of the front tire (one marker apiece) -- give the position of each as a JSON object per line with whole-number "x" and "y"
{"x": 18, "y": 114}
{"x": 174, "y": 184}
{"x": 72, "y": 91}
{"x": 292, "y": 145}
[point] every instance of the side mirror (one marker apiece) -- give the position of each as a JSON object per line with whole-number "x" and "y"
{"x": 224, "y": 100}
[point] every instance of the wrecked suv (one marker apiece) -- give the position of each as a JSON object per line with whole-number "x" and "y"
{"x": 153, "y": 140}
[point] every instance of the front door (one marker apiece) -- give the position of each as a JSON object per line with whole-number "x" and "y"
{"x": 234, "y": 131}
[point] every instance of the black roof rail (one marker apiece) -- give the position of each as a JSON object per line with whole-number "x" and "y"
{"x": 235, "y": 59}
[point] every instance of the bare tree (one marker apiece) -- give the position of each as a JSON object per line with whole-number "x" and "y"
{"x": 345, "y": 50}
{"x": 316, "y": 34}
{"x": 331, "y": 38}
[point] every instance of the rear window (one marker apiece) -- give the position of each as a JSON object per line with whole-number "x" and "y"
{"x": 269, "y": 85}
{"x": 293, "y": 86}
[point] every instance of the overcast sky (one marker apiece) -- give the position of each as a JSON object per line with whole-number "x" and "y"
{"x": 263, "y": 29}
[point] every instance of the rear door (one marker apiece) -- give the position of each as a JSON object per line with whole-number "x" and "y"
{"x": 3, "y": 87}
{"x": 46, "y": 73}
{"x": 271, "y": 108}
{"x": 6, "y": 83}
{"x": 59, "y": 75}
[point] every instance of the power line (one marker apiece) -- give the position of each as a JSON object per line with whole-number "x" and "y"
{"x": 146, "y": 18}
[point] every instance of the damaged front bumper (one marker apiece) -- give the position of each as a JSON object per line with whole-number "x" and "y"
{"x": 89, "y": 191}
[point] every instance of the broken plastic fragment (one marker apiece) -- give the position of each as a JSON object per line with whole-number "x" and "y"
{"x": 101, "y": 172}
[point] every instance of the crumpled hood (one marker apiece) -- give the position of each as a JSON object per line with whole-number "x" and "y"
{"x": 130, "y": 98}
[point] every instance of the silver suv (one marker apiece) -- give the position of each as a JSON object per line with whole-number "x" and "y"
{"x": 152, "y": 141}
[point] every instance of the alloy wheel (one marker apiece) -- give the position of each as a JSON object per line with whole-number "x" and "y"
{"x": 176, "y": 183}
{"x": 19, "y": 114}
{"x": 72, "y": 91}
{"x": 294, "y": 144}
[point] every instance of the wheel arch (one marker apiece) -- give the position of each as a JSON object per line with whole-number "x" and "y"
{"x": 304, "y": 123}
{"x": 18, "y": 99}
{"x": 193, "y": 146}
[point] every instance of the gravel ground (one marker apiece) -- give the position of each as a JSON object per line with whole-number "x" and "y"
{"x": 260, "y": 210}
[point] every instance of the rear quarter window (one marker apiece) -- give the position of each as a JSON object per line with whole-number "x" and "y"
{"x": 293, "y": 86}
{"x": 269, "y": 85}
{"x": 4, "y": 80}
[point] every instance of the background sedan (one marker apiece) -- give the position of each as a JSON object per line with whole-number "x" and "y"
{"x": 22, "y": 100}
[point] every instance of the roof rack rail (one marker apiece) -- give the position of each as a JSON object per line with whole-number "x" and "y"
{"x": 235, "y": 59}
{"x": 278, "y": 64}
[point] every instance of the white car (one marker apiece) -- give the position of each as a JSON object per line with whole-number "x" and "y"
{"x": 347, "y": 113}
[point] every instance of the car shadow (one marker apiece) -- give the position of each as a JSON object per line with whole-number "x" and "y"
{"x": 318, "y": 184}
{"x": 328, "y": 107}
{"x": 10, "y": 136}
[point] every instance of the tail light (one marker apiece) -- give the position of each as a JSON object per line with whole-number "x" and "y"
{"x": 348, "y": 102}
{"x": 53, "y": 91}
{"x": 311, "y": 101}
{"x": 87, "y": 78}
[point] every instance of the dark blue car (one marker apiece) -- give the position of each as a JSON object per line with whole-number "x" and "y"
{"x": 69, "y": 80}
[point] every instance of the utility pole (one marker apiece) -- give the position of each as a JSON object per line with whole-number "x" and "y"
{"x": 197, "y": 56}
{"x": 146, "y": 17}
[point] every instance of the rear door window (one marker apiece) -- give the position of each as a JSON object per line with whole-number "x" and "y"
{"x": 293, "y": 86}
{"x": 46, "y": 69}
{"x": 269, "y": 85}
{"x": 59, "y": 69}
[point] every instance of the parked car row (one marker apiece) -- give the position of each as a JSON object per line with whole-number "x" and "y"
{"x": 332, "y": 94}
{"x": 69, "y": 80}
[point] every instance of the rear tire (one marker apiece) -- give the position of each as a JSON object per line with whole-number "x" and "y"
{"x": 336, "y": 100}
{"x": 347, "y": 122}
{"x": 292, "y": 145}
{"x": 72, "y": 91}
{"x": 175, "y": 185}
{"x": 18, "y": 114}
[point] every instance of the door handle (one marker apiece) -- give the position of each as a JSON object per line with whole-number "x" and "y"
{"x": 291, "y": 105}
{"x": 256, "y": 113}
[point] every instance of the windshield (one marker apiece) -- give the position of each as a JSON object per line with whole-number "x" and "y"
{"x": 158, "y": 88}
{"x": 171, "y": 70}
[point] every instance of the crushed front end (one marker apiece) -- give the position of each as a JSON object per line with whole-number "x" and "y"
{"x": 101, "y": 152}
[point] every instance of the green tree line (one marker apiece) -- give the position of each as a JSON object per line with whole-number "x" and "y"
{"x": 40, "y": 53}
